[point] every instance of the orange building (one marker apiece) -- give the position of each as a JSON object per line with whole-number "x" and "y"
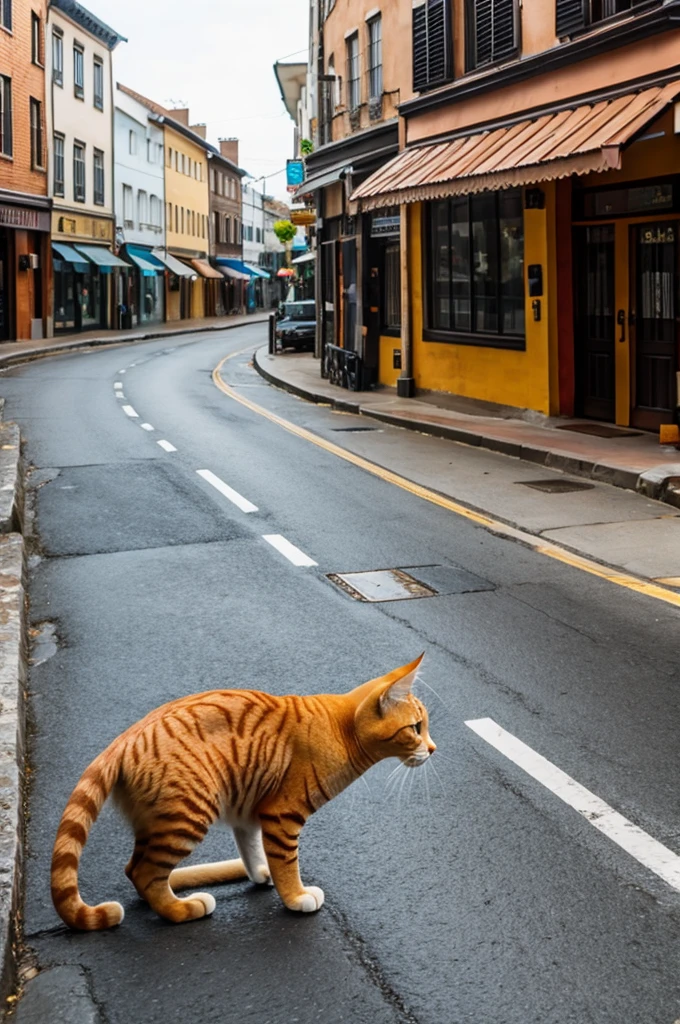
{"x": 538, "y": 201}
{"x": 25, "y": 261}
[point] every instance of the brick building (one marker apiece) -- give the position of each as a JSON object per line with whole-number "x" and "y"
{"x": 226, "y": 219}
{"x": 25, "y": 264}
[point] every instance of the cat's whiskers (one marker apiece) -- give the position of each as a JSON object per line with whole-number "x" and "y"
{"x": 432, "y": 690}
{"x": 438, "y": 776}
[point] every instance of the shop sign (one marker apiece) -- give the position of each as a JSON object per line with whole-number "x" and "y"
{"x": 295, "y": 174}
{"x": 24, "y": 217}
{"x": 657, "y": 236}
{"x": 385, "y": 226}
{"x": 303, "y": 218}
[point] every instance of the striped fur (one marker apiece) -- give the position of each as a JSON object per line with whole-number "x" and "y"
{"x": 261, "y": 763}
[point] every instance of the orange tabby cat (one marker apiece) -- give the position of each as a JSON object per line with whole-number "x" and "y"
{"x": 261, "y": 763}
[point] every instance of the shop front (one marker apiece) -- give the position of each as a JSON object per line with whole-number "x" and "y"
{"x": 233, "y": 287}
{"x": 179, "y": 287}
{"x": 145, "y": 297}
{"x": 211, "y": 281}
{"x": 89, "y": 280}
{"x": 25, "y": 267}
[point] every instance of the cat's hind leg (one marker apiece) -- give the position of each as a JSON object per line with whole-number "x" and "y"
{"x": 249, "y": 842}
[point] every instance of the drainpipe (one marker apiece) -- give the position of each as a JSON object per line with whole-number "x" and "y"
{"x": 406, "y": 385}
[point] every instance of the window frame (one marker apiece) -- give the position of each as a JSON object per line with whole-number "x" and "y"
{"x": 6, "y": 15}
{"x": 373, "y": 46}
{"x": 576, "y": 22}
{"x": 128, "y": 207}
{"x": 97, "y": 98}
{"x": 58, "y": 64}
{"x": 451, "y": 336}
{"x": 58, "y": 182}
{"x": 37, "y": 56}
{"x": 99, "y": 197}
{"x": 79, "y": 87}
{"x": 37, "y": 132}
{"x": 353, "y": 63}
{"x": 78, "y": 145}
{"x": 6, "y": 119}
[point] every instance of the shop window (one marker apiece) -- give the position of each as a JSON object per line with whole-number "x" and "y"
{"x": 432, "y": 47}
{"x": 98, "y": 172}
{"x": 491, "y": 31}
{"x": 78, "y": 172}
{"x": 573, "y": 15}
{"x": 5, "y": 115}
{"x": 475, "y": 270}
{"x": 36, "y": 133}
{"x": 78, "y": 72}
{"x": 58, "y": 165}
{"x": 57, "y": 58}
{"x": 98, "y": 84}
{"x": 392, "y": 289}
{"x": 6, "y": 14}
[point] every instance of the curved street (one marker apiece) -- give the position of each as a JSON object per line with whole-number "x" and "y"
{"x": 182, "y": 541}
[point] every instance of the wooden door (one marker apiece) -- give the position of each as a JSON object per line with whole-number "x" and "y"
{"x": 653, "y": 319}
{"x": 595, "y": 322}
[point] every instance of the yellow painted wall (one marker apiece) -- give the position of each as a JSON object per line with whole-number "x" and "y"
{"x": 521, "y": 379}
{"x": 186, "y": 191}
{"x": 172, "y": 305}
{"x": 197, "y": 305}
{"x": 386, "y": 372}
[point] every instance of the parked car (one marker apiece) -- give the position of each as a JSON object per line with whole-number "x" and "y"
{"x": 296, "y": 327}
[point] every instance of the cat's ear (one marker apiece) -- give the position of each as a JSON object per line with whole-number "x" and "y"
{"x": 399, "y": 684}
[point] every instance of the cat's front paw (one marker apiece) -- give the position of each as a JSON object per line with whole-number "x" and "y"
{"x": 261, "y": 875}
{"x": 310, "y": 899}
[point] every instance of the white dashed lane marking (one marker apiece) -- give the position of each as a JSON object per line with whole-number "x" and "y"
{"x": 228, "y": 492}
{"x": 648, "y": 851}
{"x": 146, "y": 426}
{"x": 129, "y": 411}
{"x": 118, "y": 385}
{"x": 166, "y": 446}
{"x": 287, "y": 549}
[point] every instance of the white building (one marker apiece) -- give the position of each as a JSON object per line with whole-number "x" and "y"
{"x": 139, "y": 204}
{"x": 87, "y": 273}
{"x": 254, "y": 221}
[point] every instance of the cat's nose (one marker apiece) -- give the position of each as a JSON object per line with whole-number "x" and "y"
{"x": 431, "y": 747}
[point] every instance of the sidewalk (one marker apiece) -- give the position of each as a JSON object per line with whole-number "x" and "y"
{"x": 632, "y": 460}
{"x": 20, "y": 351}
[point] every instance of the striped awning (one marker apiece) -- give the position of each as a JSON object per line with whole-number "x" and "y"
{"x": 576, "y": 140}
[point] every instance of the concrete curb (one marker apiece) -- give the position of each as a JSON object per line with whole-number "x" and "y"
{"x": 29, "y": 354}
{"x": 599, "y": 471}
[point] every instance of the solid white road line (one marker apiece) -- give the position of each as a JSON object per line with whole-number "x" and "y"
{"x": 146, "y": 426}
{"x": 648, "y": 851}
{"x": 166, "y": 446}
{"x": 129, "y": 411}
{"x": 292, "y": 553}
{"x": 227, "y": 491}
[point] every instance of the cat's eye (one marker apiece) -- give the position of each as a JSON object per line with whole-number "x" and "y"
{"x": 417, "y": 727}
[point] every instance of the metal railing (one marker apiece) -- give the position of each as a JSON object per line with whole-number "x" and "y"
{"x": 343, "y": 367}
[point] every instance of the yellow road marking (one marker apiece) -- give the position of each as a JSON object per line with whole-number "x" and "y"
{"x": 548, "y": 548}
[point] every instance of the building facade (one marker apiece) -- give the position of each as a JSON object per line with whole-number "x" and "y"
{"x": 226, "y": 218}
{"x": 89, "y": 279}
{"x": 535, "y": 198}
{"x": 139, "y": 204}
{"x": 25, "y": 259}
{"x": 258, "y": 290}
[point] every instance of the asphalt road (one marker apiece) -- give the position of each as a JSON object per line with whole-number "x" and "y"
{"x": 469, "y": 893}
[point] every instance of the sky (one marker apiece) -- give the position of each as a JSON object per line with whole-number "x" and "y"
{"x": 216, "y": 57}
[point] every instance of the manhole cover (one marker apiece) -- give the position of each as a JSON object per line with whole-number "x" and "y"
{"x": 401, "y": 585}
{"x": 556, "y": 486}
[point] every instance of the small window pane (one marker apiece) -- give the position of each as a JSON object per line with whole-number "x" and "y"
{"x": 485, "y": 262}
{"x": 78, "y": 72}
{"x": 441, "y": 309}
{"x": 511, "y": 224}
{"x": 58, "y": 166}
{"x": 5, "y": 115}
{"x": 460, "y": 265}
{"x": 98, "y": 86}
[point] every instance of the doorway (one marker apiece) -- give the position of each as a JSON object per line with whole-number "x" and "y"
{"x": 653, "y": 325}
{"x": 595, "y": 322}
{"x": 349, "y": 293}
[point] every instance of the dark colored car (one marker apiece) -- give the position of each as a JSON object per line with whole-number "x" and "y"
{"x": 297, "y": 326}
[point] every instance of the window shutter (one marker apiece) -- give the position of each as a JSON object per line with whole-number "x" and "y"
{"x": 503, "y": 28}
{"x": 570, "y": 16}
{"x": 420, "y": 47}
{"x": 494, "y": 30}
{"x": 431, "y": 43}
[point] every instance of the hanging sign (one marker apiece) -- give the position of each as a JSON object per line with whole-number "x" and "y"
{"x": 295, "y": 174}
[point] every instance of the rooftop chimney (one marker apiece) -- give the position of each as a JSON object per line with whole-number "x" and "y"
{"x": 180, "y": 114}
{"x": 229, "y": 150}
{"x": 200, "y": 129}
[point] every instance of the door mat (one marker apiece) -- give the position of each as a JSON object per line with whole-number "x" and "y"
{"x": 600, "y": 430}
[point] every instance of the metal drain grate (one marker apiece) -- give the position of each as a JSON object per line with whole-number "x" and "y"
{"x": 556, "y": 486}
{"x": 353, "y": 430}
{"x": 402, "y": 585}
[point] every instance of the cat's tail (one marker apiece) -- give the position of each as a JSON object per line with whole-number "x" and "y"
{"x": 79, "y": 815}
